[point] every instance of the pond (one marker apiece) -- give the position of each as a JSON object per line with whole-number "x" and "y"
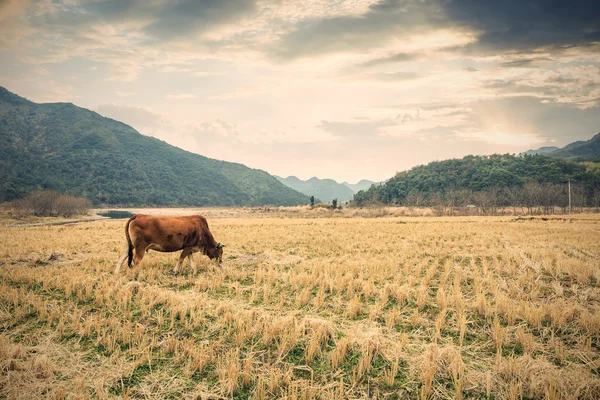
{"x": 116, "y": 214}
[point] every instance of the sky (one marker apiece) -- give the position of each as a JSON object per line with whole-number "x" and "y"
{"x": 348, "y": 90}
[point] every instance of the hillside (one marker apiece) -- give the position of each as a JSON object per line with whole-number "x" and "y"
{"x": 69, "y": 149}
{"x": 478, "y": 174}
{"x": 323, "y": 189}
{"x": 583, "y": 150}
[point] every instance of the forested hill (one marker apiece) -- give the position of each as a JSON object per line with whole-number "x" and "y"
{"x": 72, "y": 150}
{"x": 478, "y": 174}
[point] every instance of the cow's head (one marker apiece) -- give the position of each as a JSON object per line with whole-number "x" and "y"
{"x": 216, "y": 252}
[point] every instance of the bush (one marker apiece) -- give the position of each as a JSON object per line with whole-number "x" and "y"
{"x": 46, "y": 203}
{"x": 42, "y": 202}
{"x": 66, "y": 206}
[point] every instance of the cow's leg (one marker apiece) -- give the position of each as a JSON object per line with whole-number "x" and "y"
{"x": 139, "y": 255}
{"x": 192, "y": 262}
{"x": 121, "y": 260}
{"x": 186, "y": 252}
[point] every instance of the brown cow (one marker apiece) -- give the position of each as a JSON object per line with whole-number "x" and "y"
{"x": 168, "y": 234}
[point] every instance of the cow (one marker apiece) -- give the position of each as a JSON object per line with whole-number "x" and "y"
{"x": 168, "y": 234}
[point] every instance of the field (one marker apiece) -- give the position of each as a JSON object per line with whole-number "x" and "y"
{"x": 332, "y": 308}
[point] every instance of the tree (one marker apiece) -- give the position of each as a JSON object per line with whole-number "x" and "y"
{"x": 484, "y": 201}
{"x": 312, "y": 201}
{"x": 596, "y": 199}
{"x": 334, "y": 203}
{"x": 531, "y": 196}
{"x": 413, "y": 198}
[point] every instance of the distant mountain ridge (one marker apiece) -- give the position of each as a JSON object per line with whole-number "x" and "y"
{"x": 583, "y": 150}
{"x": 541, "y": 151}
{"x": 73, "y": 150}
{"x": 363, "y": 184}
{"x": 323, "y": 189}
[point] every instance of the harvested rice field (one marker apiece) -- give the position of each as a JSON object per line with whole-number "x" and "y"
{"x": 303, "y": 308}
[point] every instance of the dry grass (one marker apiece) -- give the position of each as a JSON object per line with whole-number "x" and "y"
{"x": 307, "y": 308}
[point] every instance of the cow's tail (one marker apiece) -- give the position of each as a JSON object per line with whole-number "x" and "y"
{"x": 129, "y": 243}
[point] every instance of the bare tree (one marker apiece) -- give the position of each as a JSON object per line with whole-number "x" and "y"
{"x": 596, "y": 199}
{"x": 513, "y": 197}
{"x": 531, "y": 196}
{"x": 494, "y": 199}
{"x": 450, "y": 199}
{"x": 578, "y": 197}
{"x": 484, "y": 201}
{"x": 436, "y": 201}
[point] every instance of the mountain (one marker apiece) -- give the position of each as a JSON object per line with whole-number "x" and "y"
{"x": 541, "y": 150}
{"x": 323, "y": 189}
{"x": 72, "y": 150}
{"x": 364, "y": 184}
{"x": 479, "y": 174}
{"x": 587, "y": 150}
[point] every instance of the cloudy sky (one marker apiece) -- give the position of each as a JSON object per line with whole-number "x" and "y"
{"x": 330, "y": 88}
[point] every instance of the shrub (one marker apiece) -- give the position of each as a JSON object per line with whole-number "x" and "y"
{"x": 47, "y": 203}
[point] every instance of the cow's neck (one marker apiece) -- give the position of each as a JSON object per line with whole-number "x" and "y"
{"x": 209, "y": 240}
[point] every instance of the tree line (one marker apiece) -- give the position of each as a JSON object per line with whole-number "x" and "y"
{"x": 529, "y": 184}
{"x": 531, "y": 198}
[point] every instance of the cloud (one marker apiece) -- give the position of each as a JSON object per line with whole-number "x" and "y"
{"x": 527, "y": 25}
{"x": 123, "y": 73}
{"x": 383, "y": 22}
{"x": 212, "y": 132}
{"x": 13, "y": 26}
{"x": 195, "y": 16}
{"x": 173, "y": 68}
{"x": 357, "y": 129}
{"x": 239, "y": 93}
{"x": 396, "y": 58}
{"x": 181, "y": 96}
{"x": 496, "y": 25}
{"x": 137, "y": 117}
{"x": 531, "y": 119}
{"x": 517, "y": 122}
{"x": 392, "y": 76}
{"x": 40, "y": 86}
{"x": 523, "y": 62}
{"x": 578, "y": 85}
